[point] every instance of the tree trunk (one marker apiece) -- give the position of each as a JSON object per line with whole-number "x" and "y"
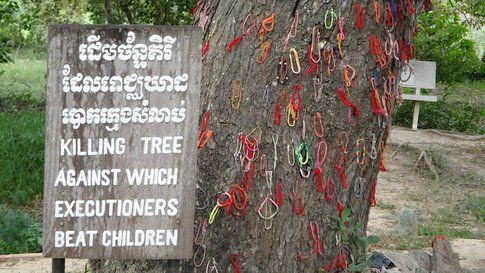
{"x": 108, "y": 11}
{"x": 276, "y": 249}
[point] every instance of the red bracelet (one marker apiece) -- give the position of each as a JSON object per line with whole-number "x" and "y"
{"x": 329, "y": 189}
{"x": 248, "y": 178}
{"x": 376, "y": 50}
{"x": 377, "y": 11}
{"x": 279, "y": 194}
{"x": 388, "y": 16}
{"x": 377, "y": 107}
{"x": 340, "y": 208}
{"x": 372, "y": 196}
{"x": 352, "y": 107}
{"x": 300, "y": 256}
{"x": 277, "y": 114}
{"x": 234, "y": 260}
{"x": 313, "y": 65}
{"x": 400, "y": 13}
{"x": 239, "y": 197}
{"x": 314, "y": 234}
{"x": 204, "y": 135}
{"x": 296, "y": 201}
{"x": 339, "y": 263}
{"x": 205, "y": 48}
{"x": 197, "y": 7}
{"x": 360, "y": 16}
{"x": 409, "y": 7}
{"x": 234, "y": 43}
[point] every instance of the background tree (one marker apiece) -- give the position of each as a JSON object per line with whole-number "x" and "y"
{"x": 248, "y": 83}
{"x": 156, "y": 12}
{"x": 7, "y": 9}
{"x": 471, "y": 11}
{"x": 443, "y": 38}
{"x": 24, "y": 22}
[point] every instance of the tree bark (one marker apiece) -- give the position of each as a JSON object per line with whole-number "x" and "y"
{"x": 275, "y": 249}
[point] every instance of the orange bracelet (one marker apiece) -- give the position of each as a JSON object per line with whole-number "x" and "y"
{"x": 236, "y": 94}
{"x": 318, "y": 128}
{"x": 263, "y": 55}
{"x": 266, "y": 25}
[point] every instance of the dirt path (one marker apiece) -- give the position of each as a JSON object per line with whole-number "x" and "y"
{"x": 439, "y": 203}
{"x": 34, "y": 263}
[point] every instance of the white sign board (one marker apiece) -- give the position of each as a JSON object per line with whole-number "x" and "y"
{"x": 122, "y": 111}
{"x": 420, "y": 74}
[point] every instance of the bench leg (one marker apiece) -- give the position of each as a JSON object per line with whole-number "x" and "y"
{"x": 415, "y": 115}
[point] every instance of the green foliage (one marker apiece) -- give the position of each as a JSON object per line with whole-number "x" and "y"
{"x": 157, "y": 12}
{"x": 4, "y": 54}
{"x": 21, "y": 156}
{"x": 445, "y": 114}
{"x": 442, "y": 38}
{"x": 349, "y": 232}
{"x": 26, "y": 22}
{"x": 473, "y": 11}
{"x": 7, "y": 9}
{"x": 19, "y": 232}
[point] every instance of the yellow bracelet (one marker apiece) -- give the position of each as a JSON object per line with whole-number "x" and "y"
{"x": 294, "y": 55}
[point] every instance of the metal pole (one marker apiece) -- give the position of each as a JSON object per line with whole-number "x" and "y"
{"x": 172, "y": 266}
{"x": 58, "y": 265}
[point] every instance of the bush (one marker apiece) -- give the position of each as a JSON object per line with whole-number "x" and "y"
{"x": 444, "y": 114}
{"x": 19, "y": 232}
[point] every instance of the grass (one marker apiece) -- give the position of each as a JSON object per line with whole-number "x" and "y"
{"x": 475, "y": 205}
{"x": 460, "y": 107}
{"x": 387, "y": 206}
{"x": 19, "y": 232}
{"x": 469, "y": 92}
{"x": 23, "y": 76}
{"x": 21, "y": 156}
{"x": 452, "y": 207}
{"x": 462, "y": 218}
{"x": 22, "y": 122}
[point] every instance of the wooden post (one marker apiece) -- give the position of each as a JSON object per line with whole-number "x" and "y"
{"x": 172, "y": 266}
{"x": 58, "y": 265}
{"x": 416, "y": 110}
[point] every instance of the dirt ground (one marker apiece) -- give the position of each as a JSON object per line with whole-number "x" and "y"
{"x": 34, "y": 263}
{"x": 459, "y": 161}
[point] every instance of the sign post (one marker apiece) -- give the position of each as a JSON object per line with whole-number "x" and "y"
{"x": 58, "y": 265}
{"x": 121, "y": 142}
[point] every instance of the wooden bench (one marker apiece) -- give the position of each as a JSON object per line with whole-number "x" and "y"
{"x": 419, "y": 75}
